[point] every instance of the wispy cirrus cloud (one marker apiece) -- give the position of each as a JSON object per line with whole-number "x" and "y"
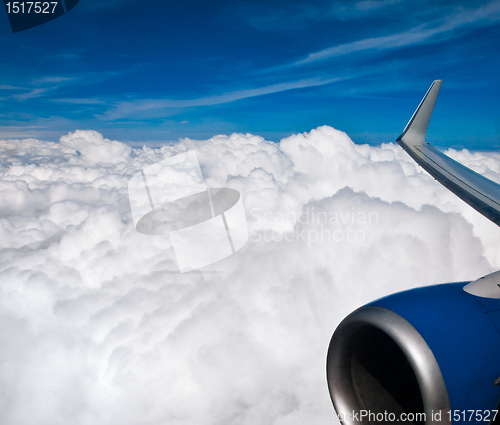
{"x": 42, "y": 86}
{"x": 31, "y": 94}
{"x": 299, "y": 14}
{"x": 39, "y": 87}
{"x": 80, "y": 101}
{"x": 420, "y": 33}
{"x": 8, "y": 87}
{"x": 123, "y": 109}
{"x": 53, "y": 79}
{"x": 371, "y": 4}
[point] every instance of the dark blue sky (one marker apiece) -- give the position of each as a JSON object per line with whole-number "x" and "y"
{"x": 157, "y": 71}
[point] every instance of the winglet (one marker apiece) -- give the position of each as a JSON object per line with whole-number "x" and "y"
{"x": 414, "y": 132}
{"x": 479, "y": 192}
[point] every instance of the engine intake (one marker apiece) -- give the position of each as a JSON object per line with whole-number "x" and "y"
{"x": 378, "y": 362}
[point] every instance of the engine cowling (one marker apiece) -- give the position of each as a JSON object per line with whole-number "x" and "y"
{"x": 433, "y": 351}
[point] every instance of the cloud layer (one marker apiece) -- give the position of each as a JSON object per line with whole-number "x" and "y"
{"x": 99, "y": 327}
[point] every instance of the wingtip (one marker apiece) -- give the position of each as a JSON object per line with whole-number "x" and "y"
{"x": 414, "y": 132}
{"x": 437, "y": 84}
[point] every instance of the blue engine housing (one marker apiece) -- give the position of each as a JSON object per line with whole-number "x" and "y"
{"x": 450, "y": 340}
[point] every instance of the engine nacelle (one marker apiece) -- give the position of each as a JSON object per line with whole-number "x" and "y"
{"x": 432, "y": 350}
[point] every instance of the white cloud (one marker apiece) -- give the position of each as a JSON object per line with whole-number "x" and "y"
{"x": 81, "y": 101}
{"x": 52, "y": 79}
{"x": 98, "y": 327}
{"x": 31, "y": 94}
{"x": 93, "y": 147}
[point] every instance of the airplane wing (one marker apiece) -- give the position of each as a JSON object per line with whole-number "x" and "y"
{"x": 479, "y": 192}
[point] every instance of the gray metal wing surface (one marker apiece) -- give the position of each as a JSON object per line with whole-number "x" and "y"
{"x": 479, "y": 192}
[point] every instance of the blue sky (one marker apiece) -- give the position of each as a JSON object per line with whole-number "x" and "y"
{"x": 153, "y": 72}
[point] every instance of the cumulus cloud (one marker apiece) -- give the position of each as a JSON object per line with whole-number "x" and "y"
{"x": 99, "y": 327}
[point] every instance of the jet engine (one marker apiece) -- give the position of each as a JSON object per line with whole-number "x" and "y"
{"x": 428, "y": 355}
